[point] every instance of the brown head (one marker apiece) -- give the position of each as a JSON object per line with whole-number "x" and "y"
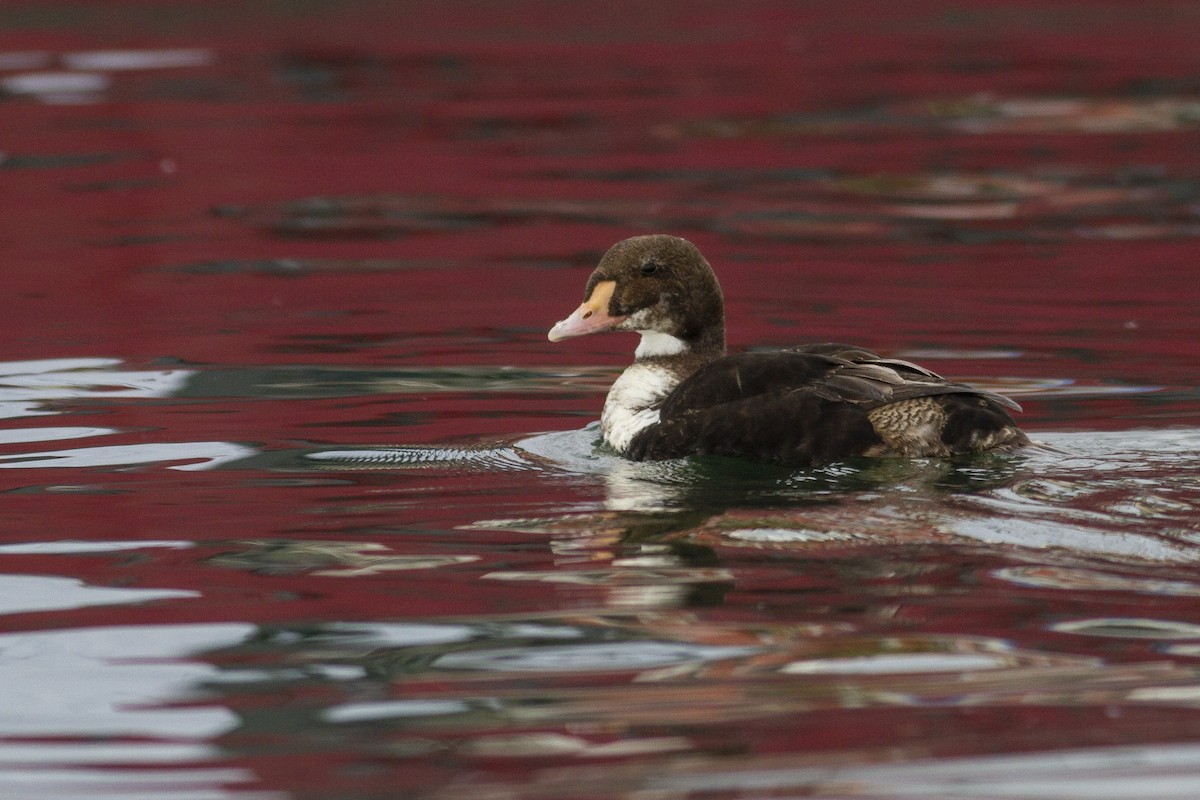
{"x": 653, "y": 285}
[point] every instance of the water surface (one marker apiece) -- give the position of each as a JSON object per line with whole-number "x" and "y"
{"x": 300, "y": 502}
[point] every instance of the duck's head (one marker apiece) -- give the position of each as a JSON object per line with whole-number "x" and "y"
{"x": 659, "y": 286}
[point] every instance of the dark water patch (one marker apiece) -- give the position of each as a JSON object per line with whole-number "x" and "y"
{"x": 301, "y": 267}
{"x": 1060, "y": 775}
{"x": 516, "y": 126}
{"x": 970, "y": 208}
{"x": 302, "y": 382}
{"x": 142, "y": 240}
{"x": 329, "y": 558}
{"x": 63, "y": 160}
{"x": 451, "y": 675}
{"x": 354, "y": 217}
{"x": 327, "y": 76}
{"x": 1081, "y": 579}
{"x": 975, "y": 115}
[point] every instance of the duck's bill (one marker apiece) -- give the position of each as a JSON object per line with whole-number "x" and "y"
{"x": 591, "y": 317}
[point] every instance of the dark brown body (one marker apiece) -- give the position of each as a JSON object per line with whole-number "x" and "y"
{"x": 821, "y": 403}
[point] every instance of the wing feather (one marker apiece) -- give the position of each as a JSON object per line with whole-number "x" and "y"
{"x": 791, "y": 405}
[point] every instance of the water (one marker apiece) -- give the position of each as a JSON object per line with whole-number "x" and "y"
{"x": 300, "y": 503}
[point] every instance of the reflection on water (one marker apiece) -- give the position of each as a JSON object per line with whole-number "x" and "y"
{"x": 118, "y": 714}
{"x": 1127, "y": 772}
{"x": 891, "y": 588}
{"x": 21, "y": 594}
{"x": 791, "y": 207}
{"x": 31, "y": 388}
{"x": 700, "y": 608}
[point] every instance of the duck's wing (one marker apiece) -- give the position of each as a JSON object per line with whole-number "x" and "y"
{"x": 915, "y": 380}
{"x": 739, "y": 377}
{"x": 820, "y": 403}
{"x": 834, "y": 372}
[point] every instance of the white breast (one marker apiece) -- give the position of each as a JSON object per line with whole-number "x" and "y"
{"x": 628, "y": 408}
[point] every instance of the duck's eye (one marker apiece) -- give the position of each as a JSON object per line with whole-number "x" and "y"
{"x": 650, "y": 267}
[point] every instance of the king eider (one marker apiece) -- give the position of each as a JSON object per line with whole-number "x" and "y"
{"x": 804, "y": 406}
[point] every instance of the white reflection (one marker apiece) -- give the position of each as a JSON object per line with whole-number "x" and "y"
{"x": 9, "y": 410}
{"x": 391, "y": 709}
{"x": 95, "y": 753}
{"x": 57, "y": 87}
{"x": 790, "y": 535}
{"x": 399, "y": 634}
{"x": 1156, "y": 772}
{"x": 55, "y": 365}
{"x": 897, "y": 664}
{"x": 207, "y": 455}
{"x": 1045, "y": 533}
{"x": 1076, "y": 579}
{"x": 26, "y": 385}
{"x": 543, "y": 743}
{"x": 24, "y": 435}
{"x": 76, "y": 546}
{"x": 132, "y": 784}
{"x": 1129, "y": 628}
{"x": 59, "y": 379}
{"x": 111, "y": 681}
{"x": 115, "y": 60}
{"x": 629, "y": 485}
{"x": 21, "y": 594}
{"x": 597, "y": 657}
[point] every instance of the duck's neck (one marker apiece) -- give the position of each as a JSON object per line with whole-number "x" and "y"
{"x": 706, "y": 347}
{"x": 661, "y": 363}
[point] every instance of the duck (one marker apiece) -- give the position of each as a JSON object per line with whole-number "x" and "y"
{"x": 802, "y": 406}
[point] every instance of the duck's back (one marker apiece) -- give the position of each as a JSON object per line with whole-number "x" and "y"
{"x": 821, "y": 403}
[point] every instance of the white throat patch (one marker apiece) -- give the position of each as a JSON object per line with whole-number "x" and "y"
{"x": 655, "y": 343}
{"x": 632, "y": 403}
